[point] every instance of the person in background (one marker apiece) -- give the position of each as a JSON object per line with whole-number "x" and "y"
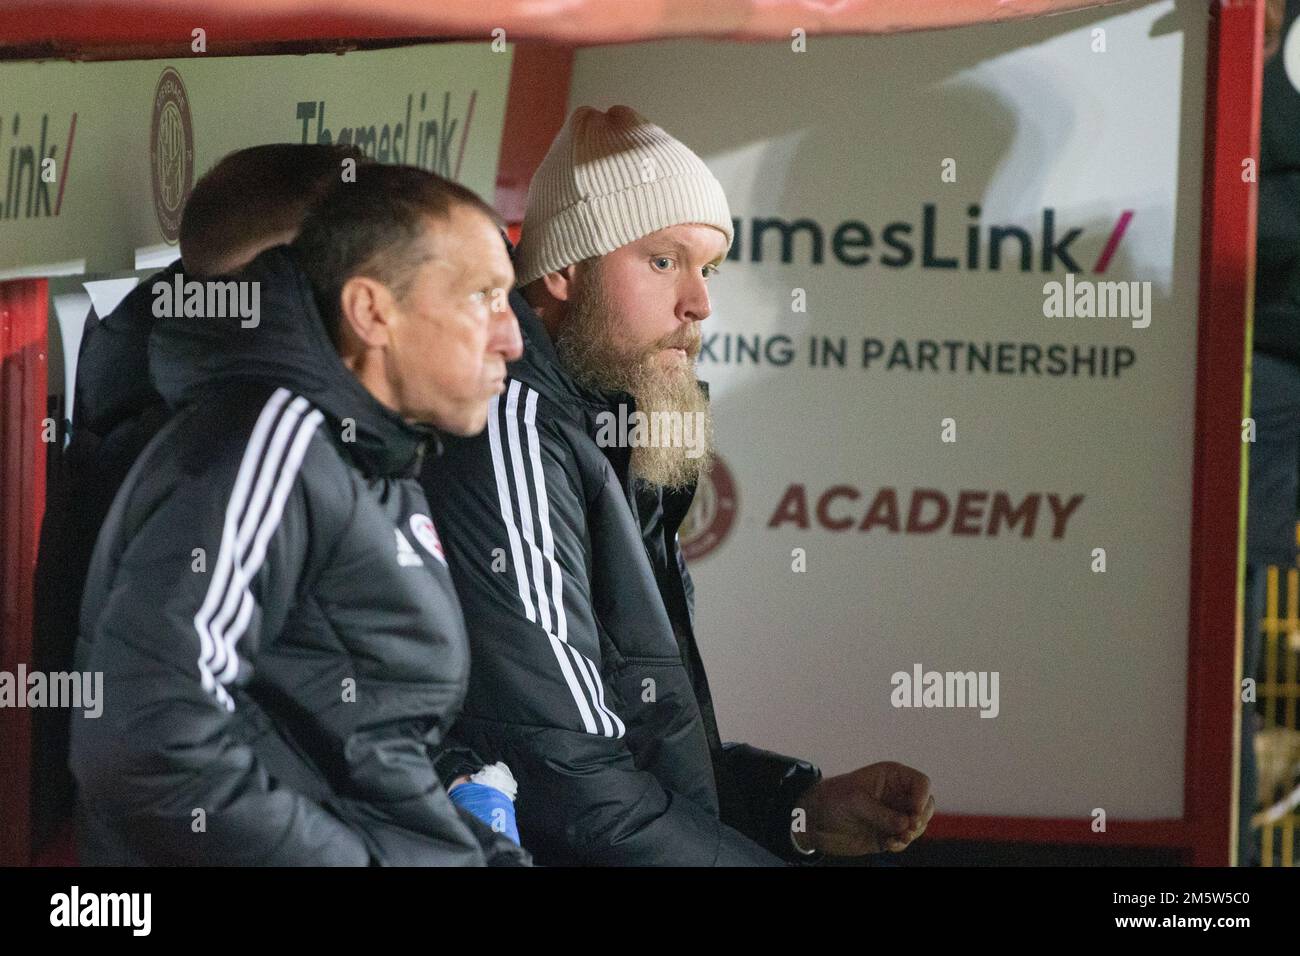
{"x": 251, "y": 200}
{"x": 1273, "y": 495}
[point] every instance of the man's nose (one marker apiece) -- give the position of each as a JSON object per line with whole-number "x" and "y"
{"x": 506, "y": 339}
{"x": 695, "y": 306}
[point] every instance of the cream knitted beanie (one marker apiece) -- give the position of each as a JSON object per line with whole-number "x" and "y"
{"x": 607, "y": 180}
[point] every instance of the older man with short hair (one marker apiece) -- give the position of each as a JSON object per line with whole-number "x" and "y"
{"x": 269, "y": 603}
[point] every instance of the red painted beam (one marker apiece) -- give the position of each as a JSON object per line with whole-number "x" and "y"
{"x": 536, "y": 108}
{"x": 75, "y": 28}
{"x": 1118, "y": 833}
{"x": 24, "y": 356}
{"x": 1232, "y": 110}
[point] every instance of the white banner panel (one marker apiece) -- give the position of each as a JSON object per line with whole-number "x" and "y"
{"x": 96, "y": 159}
{"x": 903, "y": 419}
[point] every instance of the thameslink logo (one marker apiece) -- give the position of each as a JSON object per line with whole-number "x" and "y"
{"x": 219, "y": 300}
{"x": 389, "y": 137}
{"x": 853, "y": 242}
{"x": 652, "y": 430}
{"x": 34, "y": 174}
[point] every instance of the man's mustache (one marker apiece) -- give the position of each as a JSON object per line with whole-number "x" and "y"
{"x": 688, "y": 340}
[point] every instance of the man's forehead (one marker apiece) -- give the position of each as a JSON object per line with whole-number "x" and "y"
{"x": 466, "y": 243}
{"x": 698, "y": 238}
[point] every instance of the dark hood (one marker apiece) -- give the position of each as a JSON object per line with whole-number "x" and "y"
{"x": 113, "y": 384}
{"x": 289, "y": 348}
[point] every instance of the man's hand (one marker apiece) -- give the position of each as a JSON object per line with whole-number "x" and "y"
{"x": 884, "y": 806}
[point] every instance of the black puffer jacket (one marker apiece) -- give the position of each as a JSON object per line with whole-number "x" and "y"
{"x": 587, "y": 679}
{"x": 116, "y": 411}
{"x": 268, "y": 602}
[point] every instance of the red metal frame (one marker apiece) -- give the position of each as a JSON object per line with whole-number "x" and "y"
{"x": 1061, "y": 830}
{"x": 537, "y": 105}
{"x": 1234, "y": 92}
{"x": 24, "y": 331}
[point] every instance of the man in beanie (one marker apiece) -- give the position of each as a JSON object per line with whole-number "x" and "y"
{"x": 562, "y": 539}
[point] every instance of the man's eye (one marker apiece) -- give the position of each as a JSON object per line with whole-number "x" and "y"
{"x": 710, "y": 271}
{"x": 658, "y": 259}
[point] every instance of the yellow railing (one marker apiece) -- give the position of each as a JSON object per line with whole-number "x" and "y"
{"x": 1277, "y": 744}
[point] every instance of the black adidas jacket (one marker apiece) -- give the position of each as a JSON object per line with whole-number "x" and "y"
{"x": 587, "y": 680}
{"x": 279, "y": 637}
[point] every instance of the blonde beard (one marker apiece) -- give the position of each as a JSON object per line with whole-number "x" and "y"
{"x": 589, "y": 349}
{"x": 667, "y": 465}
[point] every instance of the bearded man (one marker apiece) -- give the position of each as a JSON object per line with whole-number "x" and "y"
{"x": 586, "y": 677}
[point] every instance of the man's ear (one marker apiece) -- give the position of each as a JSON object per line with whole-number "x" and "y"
{"x": 366, "y": 311}
{"x": 559, "y": 285}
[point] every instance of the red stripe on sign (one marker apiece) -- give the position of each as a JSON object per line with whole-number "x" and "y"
{"x": 1113, "y": 242}
{"x": 464, "y": 134}
{"x": 68, "y": 158}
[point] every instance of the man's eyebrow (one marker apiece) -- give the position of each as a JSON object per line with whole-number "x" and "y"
{"x": 685, "y": 251}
